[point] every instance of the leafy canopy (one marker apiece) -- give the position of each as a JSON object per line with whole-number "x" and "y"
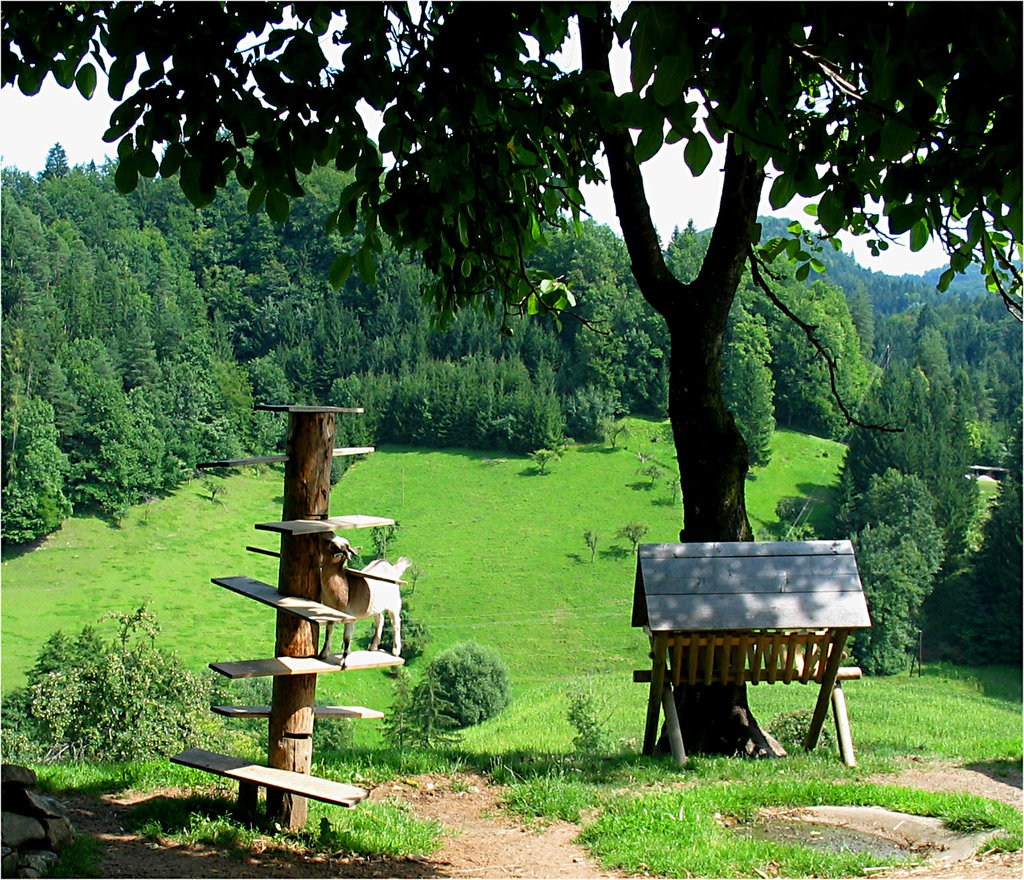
{"x": 907, "y": 119}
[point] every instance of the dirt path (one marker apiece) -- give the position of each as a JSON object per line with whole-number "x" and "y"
{"x": 479, "y": 839}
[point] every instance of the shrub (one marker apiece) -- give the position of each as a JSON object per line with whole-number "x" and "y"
{"x": 588, "y": 714}
{"x": 472, "y": 681}
{"x": 120, "y": 700}
{"x": 790, "y": 728}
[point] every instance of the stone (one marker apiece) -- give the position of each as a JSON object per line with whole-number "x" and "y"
{"x": 10, "y": 862}
{"x": 46, "y": 806}
{"x": 17, "y": 774}
{"x": 59, "y": 831}
{"x": 35, "y": 863}
{"x": 18, "y": 830}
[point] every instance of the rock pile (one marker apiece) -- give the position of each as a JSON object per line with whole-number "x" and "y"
{"x": 34, "y": 826}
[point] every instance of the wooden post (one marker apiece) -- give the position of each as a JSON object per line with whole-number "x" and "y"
{"x": 307, "y": 485}
{"x": 828, "y": 681}
{"x": 659, "y": 648}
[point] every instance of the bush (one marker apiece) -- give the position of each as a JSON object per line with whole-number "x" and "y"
{"x": 790, "y": 728}
{"x": 472, "y": 681}
{"x": 588, "y": 714}
{"x": 121, "y": 700}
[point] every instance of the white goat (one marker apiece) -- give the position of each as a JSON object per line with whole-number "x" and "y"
{"x": 353, "y": 593}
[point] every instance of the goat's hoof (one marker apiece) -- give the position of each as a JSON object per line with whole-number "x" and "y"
{"x": 331, "y": 659}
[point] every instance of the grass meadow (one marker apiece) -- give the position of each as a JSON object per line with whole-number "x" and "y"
{"x": 500, "y": 559}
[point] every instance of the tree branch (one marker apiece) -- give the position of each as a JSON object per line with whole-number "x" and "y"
{"x": 756, "y": 267}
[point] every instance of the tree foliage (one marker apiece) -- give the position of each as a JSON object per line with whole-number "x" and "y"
{"x": 890, "y": 120}
{"x": 117, "y": 700}
{"x": 470, "y": 681}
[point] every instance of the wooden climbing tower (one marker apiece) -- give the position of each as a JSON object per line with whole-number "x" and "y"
{"x": 294, "y": 666}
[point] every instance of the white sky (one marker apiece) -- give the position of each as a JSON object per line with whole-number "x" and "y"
{"x": 31, "y": 126}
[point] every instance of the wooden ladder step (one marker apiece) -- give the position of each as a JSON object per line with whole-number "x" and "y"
{"x": 307, "y": 609}
{"x": 318, "y": 712}
{"x": 304, "y": 665}
{"x": 334, "y": 524}
{"x": 299, "y": 783}
{"x": 273, "y": 459}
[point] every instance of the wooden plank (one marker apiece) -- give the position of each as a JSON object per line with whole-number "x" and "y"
{"x": 758, "y": 611}
{"x": 314, "y": 612}
{"x": 744, "y": 548}
{"x": 304, "y": 665}
{"x": 828, "y": 681}
{"x": 318, "y": 712}
{"x": 300, "y": 783}
{"x": 289, "y": 408}
{"x": 659, "y": 649}
{"x": 332, "y": 524}
{"x": 273, "y": 459}
{"x": 750, "y": 575}
{"x": 241, "y": 462}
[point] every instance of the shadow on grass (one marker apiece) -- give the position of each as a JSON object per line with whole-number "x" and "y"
{"x": 615, "y": 553}
{"x": 1007, "y": 772}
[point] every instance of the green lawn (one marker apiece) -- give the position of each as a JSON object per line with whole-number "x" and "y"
{"x": 500, "y": 548}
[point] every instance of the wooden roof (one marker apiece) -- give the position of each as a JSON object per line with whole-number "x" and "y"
{"x": 746, "y": 586}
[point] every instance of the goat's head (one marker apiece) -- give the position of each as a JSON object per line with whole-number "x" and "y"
{"x": 341, "y": 548}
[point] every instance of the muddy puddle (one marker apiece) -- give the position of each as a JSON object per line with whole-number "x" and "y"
{"x": 830, "y": 838}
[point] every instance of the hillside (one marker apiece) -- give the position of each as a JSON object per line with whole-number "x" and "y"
{"x": 500, "y": 549}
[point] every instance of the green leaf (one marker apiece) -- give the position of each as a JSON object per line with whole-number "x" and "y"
{"x": 121, "y": 73}
{"x": 30, "y": 80}
{"x": 85, "y": 79}
{"x": 830, "y": 212}
{"x": 256, "y": 197}
{"x": 697, "y": 154}
{"x": 782, "y": 191}
{"x": 975, "y": 228}
{"x": 171, "y": 162}
{"x": 366, "y": 266}
{"x": 919, "y": 234}
{"x": 341, "y": 268}
{"x": 277, "y": 206}
{"x": 649, "y": 142}
{"x": 897, "y": 139}
{"x": 670, "y": 80}
{"x": 126, "y": 178}
{"x": 903, "y": 217}
{"x": 802, "y": 271}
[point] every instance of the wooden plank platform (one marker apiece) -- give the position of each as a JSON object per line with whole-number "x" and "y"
{"x": 292, "y": 408}
{"x": 318, "y": 712}
{"x": 304, "y": 665}
{"x": 333, "y": 524}
{"x": 274, "y": 459}
{"x": 307, "y": 609}
{"x": 300, "y": 783}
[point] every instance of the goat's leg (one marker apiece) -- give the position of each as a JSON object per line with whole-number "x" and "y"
{"x": 378, "y": 622}
{"x": 396, "y": 624}
{"x": 349, "y": 629}
{"x": 325, "y": 651}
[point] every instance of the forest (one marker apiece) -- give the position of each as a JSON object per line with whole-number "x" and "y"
{"x": 139, "y": 331}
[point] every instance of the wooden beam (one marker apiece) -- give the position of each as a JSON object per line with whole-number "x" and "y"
{"x": 318, "y": 712}
{"x": 828, "y": 681}
{"x": 275, "y": 459}
{"x": 327, "y": 524}
{"x": 293, "y": 666}
{"x": 282, "y": 780}
{"x": 307, "y": 609}
{"x": 289, "y": 408}
{"x": 659, "y": 648}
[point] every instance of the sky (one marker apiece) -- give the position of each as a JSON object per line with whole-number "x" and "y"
{"x": 31, "y": 126}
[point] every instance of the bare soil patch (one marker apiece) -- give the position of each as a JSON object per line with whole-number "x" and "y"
{"x": 480, "y": 840}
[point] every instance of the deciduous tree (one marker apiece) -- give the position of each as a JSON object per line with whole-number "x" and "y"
{"x": 903, "y": 120}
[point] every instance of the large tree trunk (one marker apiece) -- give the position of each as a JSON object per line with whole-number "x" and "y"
{"x": 712, "y": 454}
